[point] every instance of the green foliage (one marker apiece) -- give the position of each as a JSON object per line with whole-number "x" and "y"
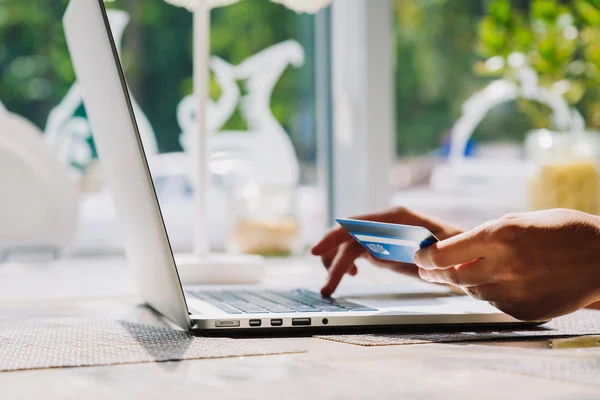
{"x": 35, "y": 69}
{"x": 561, "y": 41}
{"x": 436, "y": 42}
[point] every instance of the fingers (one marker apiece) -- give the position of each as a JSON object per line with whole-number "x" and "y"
{"x": 332, "y": 239}
{"x": 336, "y": 236}
{"x": 342, "y": 263}
{"x": 486, "y": 289}
{"x": 404, "y": 269}
{"x": 459, "y": 249}
{"x": 401, "y": 268}
{"x": 513, "y": 216}
{"x": 475, "y": 273}
{"x": 328, "y": 258}
{"x": 489, "y": 293}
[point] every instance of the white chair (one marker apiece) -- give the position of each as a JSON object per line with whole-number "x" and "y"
{"x": 39, "y": 202}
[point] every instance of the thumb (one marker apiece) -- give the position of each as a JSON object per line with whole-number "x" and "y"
{"x": 457, "y": 250}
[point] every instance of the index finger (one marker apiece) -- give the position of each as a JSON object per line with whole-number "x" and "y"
{"x": 332, "y": 239}
{"x": 338, "y": 235}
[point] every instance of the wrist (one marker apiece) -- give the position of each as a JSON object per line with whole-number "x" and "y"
{"x": 596, "y": 295}
{"x": 594, "y": 306}
{"x": 596, "y": 276}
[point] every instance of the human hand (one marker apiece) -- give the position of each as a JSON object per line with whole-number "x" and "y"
{"x": 533, "y": 266}
{"x": 339, "y": 251}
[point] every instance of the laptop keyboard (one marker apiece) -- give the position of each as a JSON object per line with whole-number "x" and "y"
{"x": 272, "y": 301}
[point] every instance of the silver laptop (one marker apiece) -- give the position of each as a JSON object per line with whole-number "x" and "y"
{"x": 147, "y": 246}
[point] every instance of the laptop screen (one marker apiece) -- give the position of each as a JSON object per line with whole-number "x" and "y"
{"x": 120, "y": 146}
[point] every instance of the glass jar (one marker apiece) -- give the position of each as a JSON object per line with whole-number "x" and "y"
{"x": 564, "y": 170}
{"x": 265, "y": 221}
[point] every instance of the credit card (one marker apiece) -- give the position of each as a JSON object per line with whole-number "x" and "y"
{"x": 389, "y": 242}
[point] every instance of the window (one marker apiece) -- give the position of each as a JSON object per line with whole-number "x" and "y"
{"x": 155, "y": 40}
{"x": 440, "y": 65}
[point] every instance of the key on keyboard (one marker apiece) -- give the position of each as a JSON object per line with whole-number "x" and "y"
{"x": 270, "y": 301}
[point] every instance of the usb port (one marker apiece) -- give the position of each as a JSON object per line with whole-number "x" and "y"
{"x": 301, "y": 322}
{"x": 276, "y": 322}
{"x": 255, "y": 322}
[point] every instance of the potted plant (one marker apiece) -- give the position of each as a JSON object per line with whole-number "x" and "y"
{"x": 559, "y": 41}
{"x": 558, "y": 45}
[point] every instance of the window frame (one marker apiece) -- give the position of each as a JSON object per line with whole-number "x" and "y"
{"x": 362, "y": 85}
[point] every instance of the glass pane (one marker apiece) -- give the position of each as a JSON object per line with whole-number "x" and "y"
{"x": 37, "y": 82}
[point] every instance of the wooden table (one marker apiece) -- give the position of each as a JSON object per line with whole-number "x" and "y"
{"x": 328, "y": 369}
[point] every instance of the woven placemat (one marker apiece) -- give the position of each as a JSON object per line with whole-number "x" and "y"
{"x": 582, "y": 323}
{"x": 38, "y": 343}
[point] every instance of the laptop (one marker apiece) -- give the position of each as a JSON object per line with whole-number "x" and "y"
{"x": 147, "y": 246}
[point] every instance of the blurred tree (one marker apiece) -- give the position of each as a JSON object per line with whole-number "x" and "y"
{"x": 561, "y": 42}
{"x": 35, "y": 68}
{"x": 436, "y": 42}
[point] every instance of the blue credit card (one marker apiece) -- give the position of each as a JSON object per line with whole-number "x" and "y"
{"x": 389, "y": 242}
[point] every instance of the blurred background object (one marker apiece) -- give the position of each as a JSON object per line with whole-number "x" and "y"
{"x": 265, "y": 221}
{"x": 256, "y": 100}
{"x": 487, "y": 74}
{"x": 306, "y": 6}
{"x": 448, "y": 59}
{"x": 38, "y": 205}
{"x": 264, "y": 143}
{"x": 69, "y": 133}
{"x": 263, "y": 130}
{"x": 565, "y": 170}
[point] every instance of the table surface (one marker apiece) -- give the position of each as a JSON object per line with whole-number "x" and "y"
{"x": 327, "y": 370}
